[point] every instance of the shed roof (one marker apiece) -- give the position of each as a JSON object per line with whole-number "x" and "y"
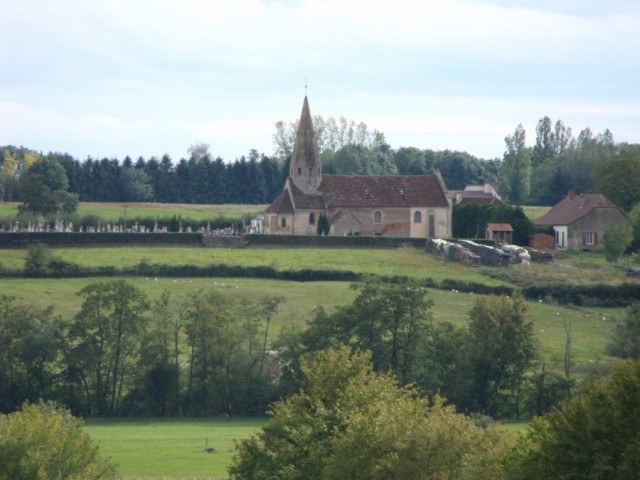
{"x": 499, "y": 227}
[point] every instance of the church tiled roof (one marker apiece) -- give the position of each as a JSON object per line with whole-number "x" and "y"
{"x": 302, "y": 200}
{"x": 282, "y": 204}
{"x": 383, "y": 191}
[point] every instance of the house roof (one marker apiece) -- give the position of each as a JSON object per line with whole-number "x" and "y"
{"x": 573, "y": 207}
{"x": 383, "y": 191}
{"x": 499, "y": 227}
{"x": 485, "y": 194}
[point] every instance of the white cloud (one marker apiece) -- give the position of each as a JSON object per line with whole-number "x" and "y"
{"x": 146, "y": 76}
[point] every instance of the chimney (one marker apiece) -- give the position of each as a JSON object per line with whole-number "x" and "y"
{"x": 572, "y": 193}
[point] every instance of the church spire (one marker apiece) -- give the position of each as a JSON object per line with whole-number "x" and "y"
{"x": 306, "y": 168}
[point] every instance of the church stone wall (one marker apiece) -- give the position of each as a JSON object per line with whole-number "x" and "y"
{"x": 301, "y": 222}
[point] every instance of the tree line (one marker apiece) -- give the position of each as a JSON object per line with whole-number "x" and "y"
{"x": 122, "y": 354}
{"x": 559, "y": 162}
{"x": 537, "y": 175}
{"x": 212, "y": 354}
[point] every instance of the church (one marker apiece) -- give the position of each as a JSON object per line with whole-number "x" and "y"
{"x": 409, "y": 206}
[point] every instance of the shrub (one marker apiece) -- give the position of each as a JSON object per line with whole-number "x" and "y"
{"x": 42, "y": 442}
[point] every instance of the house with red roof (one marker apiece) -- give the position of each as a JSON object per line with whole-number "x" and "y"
{"x": 579, "y": 221}
{"x": 391, "y": 205}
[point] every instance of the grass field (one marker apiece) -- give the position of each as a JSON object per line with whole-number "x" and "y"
{"x": 590, "y": 326}
{"x": 113, "y": 211}
{"x": 406, "y": 261}
{"x": 158, "y": 449}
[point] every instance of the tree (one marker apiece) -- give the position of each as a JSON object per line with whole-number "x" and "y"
{"x": 30, "y": 347}
{"x": 618, "y": 178}
{"x": 616, "y": 239}
{"x": 105, "y": 342}
{"x": 634, "y": 218}
{"x": 8, "y": 179}
{"x": 501, "y": 349}
{"x": 515, "y": 171}
{"x": 349, "y": 422}
{"x": 323, "y": 225}
{"x": 44, "y": 189}
{"x": 135, "y": 185}
{"x": 595, "y": 435}
{"x": 43, "y": 442}
{"x": 389, "y": 319}
{"x": 625, "y": 340}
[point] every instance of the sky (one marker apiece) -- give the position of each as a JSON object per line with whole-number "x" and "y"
{"x": 153, "y": 77}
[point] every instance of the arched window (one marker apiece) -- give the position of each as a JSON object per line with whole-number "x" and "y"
{"x": 283, "y": 222}
{"x": 299, "y": 170}
{"x": 417, "y": 217}
{"x": 377, "y": 216}
{"x": 312, "y": 218}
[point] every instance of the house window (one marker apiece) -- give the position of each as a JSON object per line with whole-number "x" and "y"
{"x": 377, "y": 216}
{"x": 283, "y": 222}
{"x": 312, "y": 218}
{"x": 589, "y": 238}
{"x": 417, "y": 217}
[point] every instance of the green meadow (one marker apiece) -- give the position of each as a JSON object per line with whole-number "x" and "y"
{"x": 172, "y": 448}
{"x": 113, "y": 211}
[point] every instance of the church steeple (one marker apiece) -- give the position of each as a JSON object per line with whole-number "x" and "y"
{"x": 306, "y": 168}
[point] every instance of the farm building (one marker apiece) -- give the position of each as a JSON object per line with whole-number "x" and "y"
{"x": 414, "y": 206}
{"x": 579, "y": 221}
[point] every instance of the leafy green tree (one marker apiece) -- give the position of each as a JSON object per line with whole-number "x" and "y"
{"x": 616, "y": 240}
{"x": 618, "y": 178}
{"x": 30, "y": 351}
{"x": 595, "y": 435}
{"x": 135, "y": 185}
{"x": 160, "y": 360}
{"x": 625, "y": 340}
{"x": 501, "y": 348}
{"x": 43, "y": 442}
{"x": 43, "y": 189}
{"x": 349, "y": 422}
{"x": 389, "y": 319}
{"x": 515, "y": 170}
{"x": 105, "y": 342}
{"x": 38, "y": 259}
{"x": 226, "y": 354}
{"x": 8, "y": 175}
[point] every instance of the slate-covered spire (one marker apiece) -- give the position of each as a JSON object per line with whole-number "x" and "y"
{"x": 306, "y": 169}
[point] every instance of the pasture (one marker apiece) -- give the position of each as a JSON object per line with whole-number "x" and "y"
{"x": 171, "y": 448}
{"x": 113, "y": 211}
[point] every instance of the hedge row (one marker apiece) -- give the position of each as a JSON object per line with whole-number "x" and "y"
{"x": 21, "y": 240}
{"x": 587, "y": 295}
{"x": 331, "y": 241}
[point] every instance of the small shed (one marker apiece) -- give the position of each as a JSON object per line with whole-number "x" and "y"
{"x": 541, "y": 241}
{"x": 502, "y": 232}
